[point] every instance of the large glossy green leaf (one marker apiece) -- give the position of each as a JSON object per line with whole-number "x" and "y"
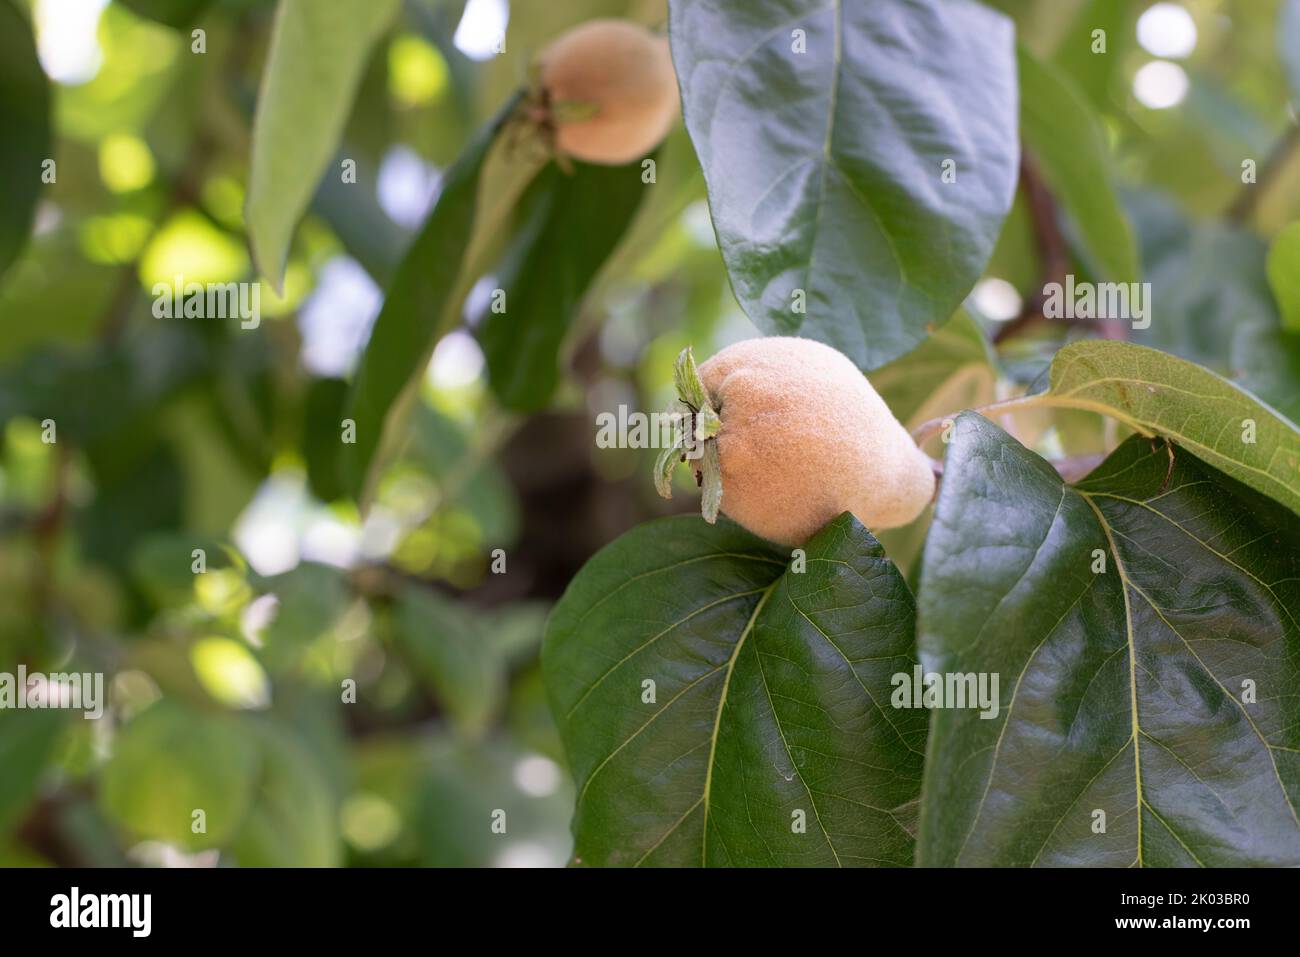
{"x": 1126, "y": 619}
{"x": 570, "y": 224}
{"x": 1062, "y": 134}
{"x": 412, "y": 318}
{"x": 1159, "y": 394}
{"x": 317, "y": 56}
{"x": 824, "y": 167}
{"x": 25, "y": 119}
{"x": 710, "y": 699}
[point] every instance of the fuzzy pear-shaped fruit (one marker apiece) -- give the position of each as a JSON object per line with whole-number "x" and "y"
{"x": 805, "y": 437}
{"x": 610, "y": 91}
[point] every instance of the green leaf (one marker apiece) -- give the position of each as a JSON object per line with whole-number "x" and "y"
{"x": 1284, "y": 274}
{"x": 106, "y": 398}
{"x": 26, "y": 740}
{"x": 171, "y": 761}
{"x": 54, "y": 297}
{"x": 570, "y": 224}
{"x": 322, "y": 438}
{"x": 1212, "y": 301}
{"x": 311, "y": 600}
{"x": 138, "y": 492}
{"x": 162, "y": 566}
{"x": 1221, "y": 119}
{"x": 216, "y": 471}
{"x": 452, "y": 656}
{"x": 1207, "y": 283}
{"x": 1061, "y": 132}
{"x": 468, "y": 480}
{"x": 769, "y": 697}
{"x": 25, "y": 119}
{"x": 952, "y": 369}
{"x": 317, "y": 56}
{"x": 824, "y": 167}
{"x": 515, "y": 631}
{"x": 1270, "y": 362}
{"x": 293, "y": 818}
{"x": 411, "y": 320}
{"x": 360, "y": 223}
{"x": 1102, "y": 77}
{"x": 178, "y": 14}
{"x": 1159, "y": 394}
{"x": 1124, "y": 619}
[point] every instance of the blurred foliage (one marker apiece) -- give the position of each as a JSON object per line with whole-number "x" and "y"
{"x": 334, "y": 681}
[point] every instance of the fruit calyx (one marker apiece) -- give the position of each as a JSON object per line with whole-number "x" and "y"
{"x": 696, "y": 440}
{"x": 546, "y": 116}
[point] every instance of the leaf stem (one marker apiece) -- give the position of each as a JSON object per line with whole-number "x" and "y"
{"x": 929, "y": 429}
{"x": 1043, "y": 400}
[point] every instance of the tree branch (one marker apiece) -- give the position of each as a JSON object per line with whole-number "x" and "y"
{"x": 1053, "y": 253}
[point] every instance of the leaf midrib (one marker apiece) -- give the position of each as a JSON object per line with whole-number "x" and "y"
{"x": 1124, "y": 583}
{"x": 1127, "y": 584}
{"x": 717, "y": 718}
{"x": 652, "y": 639}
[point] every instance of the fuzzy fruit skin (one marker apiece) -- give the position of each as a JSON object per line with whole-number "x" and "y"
{"x": 626, "y": 73}
{"x": 805, "y": 437}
